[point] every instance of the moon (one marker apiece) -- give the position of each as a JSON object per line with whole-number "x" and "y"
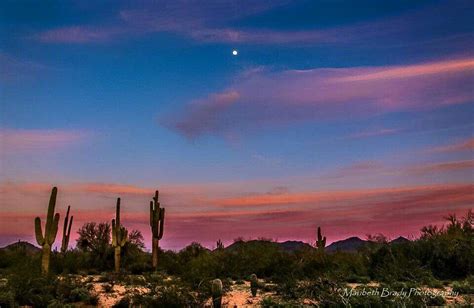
{"x": 235, "y": 52}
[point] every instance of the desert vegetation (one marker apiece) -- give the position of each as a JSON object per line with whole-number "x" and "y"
{"x": 109, "y": 266}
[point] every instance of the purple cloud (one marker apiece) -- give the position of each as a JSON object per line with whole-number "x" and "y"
{"x": 214, "y": 21}
{"x": 267, "y": 98}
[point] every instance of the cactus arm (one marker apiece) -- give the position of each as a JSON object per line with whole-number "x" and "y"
{"x": 51, "y": 236}
{"x": 69, "y": 229}
{"x": 123, "y": 239}
{"x": 162, "y": 223}
{"x": 152, "y": 216}
{"x": 39, "y": 232}
{"x": 66, "y": 220}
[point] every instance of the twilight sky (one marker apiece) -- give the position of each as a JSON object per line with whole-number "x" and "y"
{"x": 353, "y": 116}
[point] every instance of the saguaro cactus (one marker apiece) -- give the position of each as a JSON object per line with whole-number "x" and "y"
{"x": 219, "y": 245}
{"x": 321, "y": 241}
{"x": 216, "y": 289}
{"x": 66, "y": 231}
{"x": 157, "y": 219}
{"x": 253, "y": 284}
{"x": 50, "y": 231}
{"x": 119, "y": 236}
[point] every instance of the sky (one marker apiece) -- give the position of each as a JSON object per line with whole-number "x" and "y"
{"x": 355, "y": 116}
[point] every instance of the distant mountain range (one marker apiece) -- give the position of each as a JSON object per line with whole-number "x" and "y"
{"x": 21, "y": 245}
{"x": 350, "y": 244}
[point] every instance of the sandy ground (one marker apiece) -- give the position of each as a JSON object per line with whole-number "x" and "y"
{"x": 238, "y": 296}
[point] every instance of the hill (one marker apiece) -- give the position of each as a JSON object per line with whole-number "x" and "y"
{"x": 400, "y": 240}
{"x": 350, "y": 244}
{"x": 21, "y": 245}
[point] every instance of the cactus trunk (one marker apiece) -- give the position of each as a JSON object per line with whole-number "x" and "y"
{"x": 154, "y": 249}
{"x": 253, "y": 284}
{"x": 45, "y": 256}
{"x": 46, "y": 240}
{"x": 157, "y": 218}
{"x": 117, "y": 252}
{"x": 119, "y": 236}
{"x": 216, "y": 289}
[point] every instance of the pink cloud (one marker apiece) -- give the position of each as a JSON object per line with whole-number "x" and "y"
{"x": 264, "y": 98}
{"x": 24, "y": 140}
{"x": 442, "y": 167}
{"x": 465, "y": 145}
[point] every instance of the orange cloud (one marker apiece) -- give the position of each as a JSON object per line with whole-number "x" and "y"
{"x": 465, "y": 145}
{"x": 116, "y": 189}
{"x": 442, "y": 167}
{"x": 335, "y": 196}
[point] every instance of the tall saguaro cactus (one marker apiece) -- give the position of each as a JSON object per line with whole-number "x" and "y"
{"x": 66, "y": 231}
{"x": 157, "y": 219}
{"x": 321, "y": 241}
{"x": 119, "y": 236}
{"x": 50, "y": 231}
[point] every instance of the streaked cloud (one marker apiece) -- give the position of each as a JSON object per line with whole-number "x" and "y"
{"x": 27, "y": 140}
{"x": 212, "y": 22}
{"x": 265, "y": 98}
{"x": 376, "y": 132}
{"x": 81, "y": 34}
{"x": 442, "y": 167}
{"x": 461, "y": 146}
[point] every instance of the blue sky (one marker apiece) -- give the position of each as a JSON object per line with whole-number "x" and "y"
{"x": 323, "y": 96}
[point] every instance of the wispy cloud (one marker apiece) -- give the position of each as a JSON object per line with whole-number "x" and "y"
{"x": 13, "y": 68}
{"x": 81, "y": 34}
{"x": 354, "y": 197}
{"x": 374, "y": 133}
{"x": 214, "y": 21}
{"x": 465, "y": 145}
{"x": 204, "y": 111}
{"x": 27, "y": 140}
{"x": 442, "y": 167}
{"x": 265, "y": 97}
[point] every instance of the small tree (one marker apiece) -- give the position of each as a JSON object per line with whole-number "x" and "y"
{"x": 95, "y": 239}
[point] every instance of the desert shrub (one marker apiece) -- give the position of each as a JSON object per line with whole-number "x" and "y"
{"x": 435, "y": 301}
{"x": 108, "y": 287}
{"x": 463, "y": 287}
{"x": 167, "y": 295}
{"x": 7, "y": 298}
{"x": 448, "y": 251}
{"x": 72, "y": 262}
{"x": 270, "y": 302}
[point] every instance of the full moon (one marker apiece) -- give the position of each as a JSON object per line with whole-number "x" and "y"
{"x": 235, "y": 52}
